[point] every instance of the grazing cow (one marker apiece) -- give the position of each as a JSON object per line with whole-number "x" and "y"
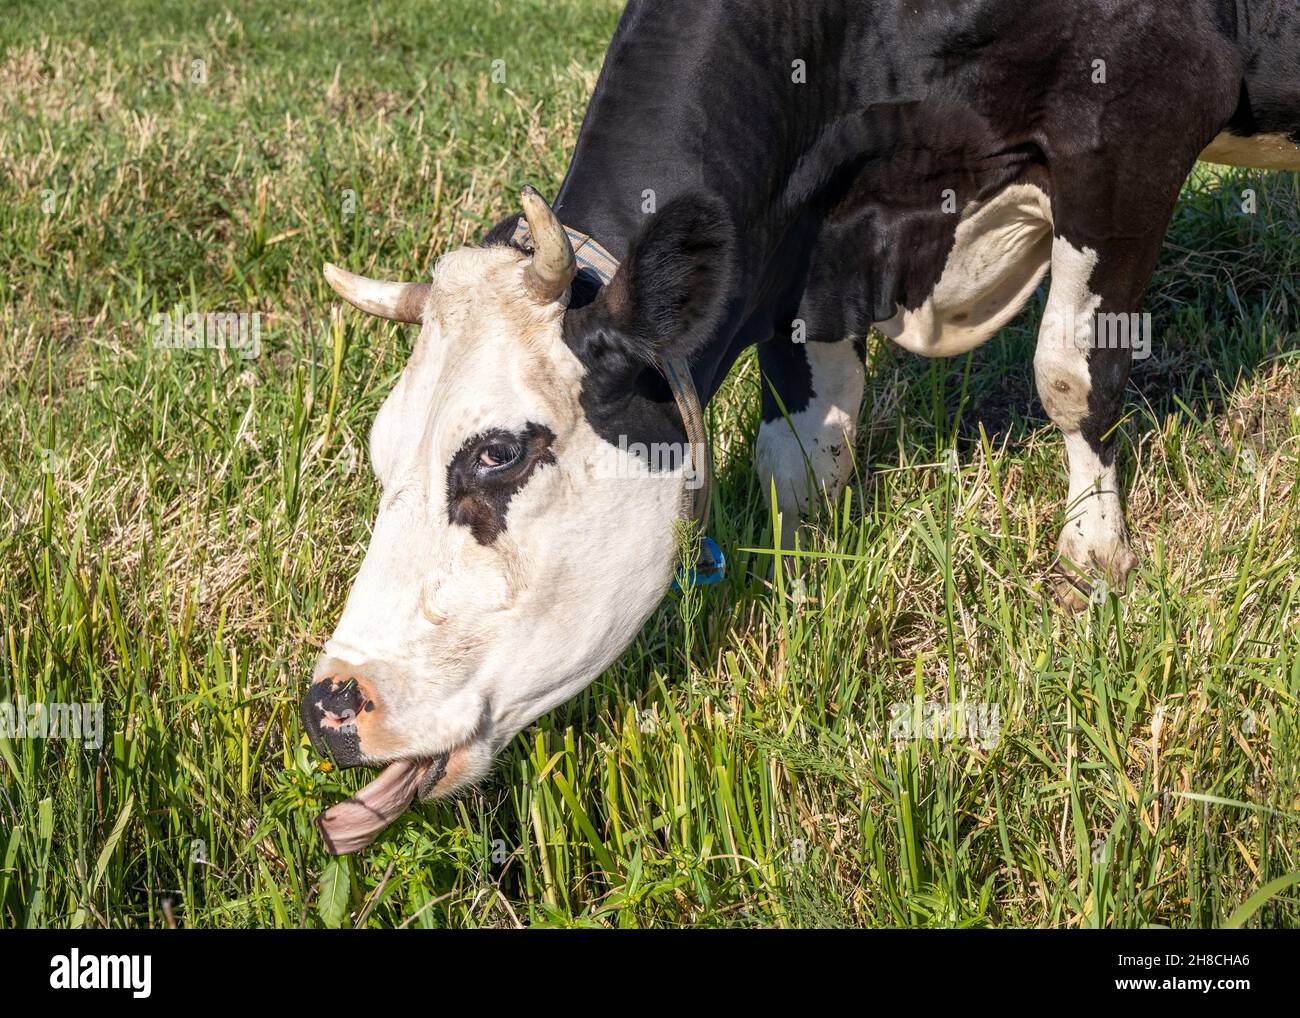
{"x": 782, "y": 173}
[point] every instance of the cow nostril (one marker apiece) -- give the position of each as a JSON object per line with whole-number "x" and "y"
{"x": 343, "y": 700}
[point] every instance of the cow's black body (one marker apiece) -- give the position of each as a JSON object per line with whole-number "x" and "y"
{"x": 833, "y": 186}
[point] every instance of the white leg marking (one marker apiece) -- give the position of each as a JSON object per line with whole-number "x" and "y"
{"x": 819, "y": 438}
{"x": 1065, "y": 335}
{"x": 1094, "y": 538}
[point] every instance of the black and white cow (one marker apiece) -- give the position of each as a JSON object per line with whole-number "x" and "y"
{"x": 756, "y": 167}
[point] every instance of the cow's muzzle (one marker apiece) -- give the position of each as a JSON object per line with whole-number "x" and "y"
{"x": 330, "y": 710}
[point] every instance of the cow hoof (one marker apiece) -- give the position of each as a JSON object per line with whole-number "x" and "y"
{"x": 1082, "y": 576}
{"x": 1070, "y": 592}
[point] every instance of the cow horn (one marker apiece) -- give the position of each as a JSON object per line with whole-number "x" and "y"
{"x": 400, "y": 302}
{"x": 552, "y": 267}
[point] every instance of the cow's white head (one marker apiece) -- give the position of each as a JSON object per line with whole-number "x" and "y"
{"x": 522, "y": 539}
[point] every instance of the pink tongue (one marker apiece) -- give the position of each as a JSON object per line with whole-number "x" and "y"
{"x": 351, "y": 825}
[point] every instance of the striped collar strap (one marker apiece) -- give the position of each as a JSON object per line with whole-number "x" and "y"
{"x": 590, "y": 256}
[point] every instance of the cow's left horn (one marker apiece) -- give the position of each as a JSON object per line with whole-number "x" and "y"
{"x": 552, "y": 268}
{"x": 400, "y": 302}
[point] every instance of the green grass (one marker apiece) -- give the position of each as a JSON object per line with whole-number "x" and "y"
{"x": 178, "y": 531}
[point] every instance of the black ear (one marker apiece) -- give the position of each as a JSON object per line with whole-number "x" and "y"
{"x": 667, "y": 297}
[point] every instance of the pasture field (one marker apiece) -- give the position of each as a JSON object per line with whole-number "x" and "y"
{"x": 914, "y": 735}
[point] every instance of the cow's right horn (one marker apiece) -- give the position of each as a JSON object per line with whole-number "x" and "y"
{"x": 552, "y": 267}
{"x": 400, "y": 302}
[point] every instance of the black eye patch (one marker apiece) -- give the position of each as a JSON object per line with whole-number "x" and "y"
{"x": 487, "y": 470}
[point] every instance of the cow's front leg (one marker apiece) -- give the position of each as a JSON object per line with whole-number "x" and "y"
{"x": 806, "y": 452}
{"x": 1085, "y": 348}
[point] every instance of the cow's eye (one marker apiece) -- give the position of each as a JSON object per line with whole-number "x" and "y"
{"x": 498, "y": 454}
{"x": 486, "y": 472}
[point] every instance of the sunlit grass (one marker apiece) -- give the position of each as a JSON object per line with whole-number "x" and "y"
{"x": 178, "y": 530}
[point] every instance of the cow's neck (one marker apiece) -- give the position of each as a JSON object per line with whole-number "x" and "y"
{"x": 661, "y": 125}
